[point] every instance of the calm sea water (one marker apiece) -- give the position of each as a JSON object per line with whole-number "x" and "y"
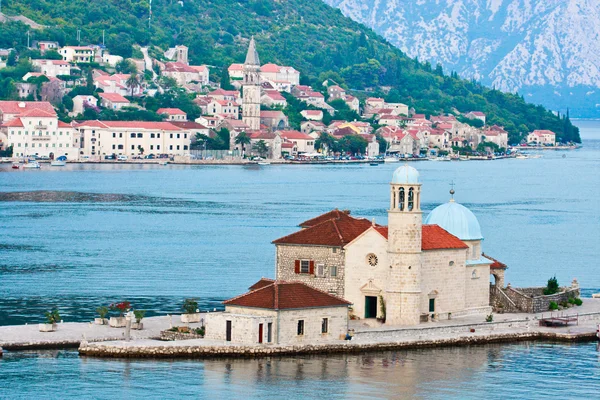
{"x": 86, "y": 235}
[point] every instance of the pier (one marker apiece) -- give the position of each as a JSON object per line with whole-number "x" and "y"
{"x": 103, "y": 341}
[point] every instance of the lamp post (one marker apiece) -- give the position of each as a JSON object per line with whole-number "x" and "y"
{"x": 128, "y": 318}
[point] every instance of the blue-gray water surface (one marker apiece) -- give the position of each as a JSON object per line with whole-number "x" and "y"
{"x": 87, "y": 235}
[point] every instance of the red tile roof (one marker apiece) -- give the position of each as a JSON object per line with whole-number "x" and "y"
{"x": 261, "y": 283}
{"x": 333, "y": 214}
{"x": 294, "y": 135}
{"x": 337, "y": 228}
{"x": 270, "y": 68}
{"x": 188, "y": 125}
{"x": 496, "y": 264}
{"x": 170, "y": 111}
{"x": 18, "y": 107}
{"x": 113, "y": 97}
{"x": 13, "y": 123}
{"x": 281, "y": 295}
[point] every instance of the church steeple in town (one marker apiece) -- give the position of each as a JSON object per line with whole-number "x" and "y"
{"x": 251, "y": 86}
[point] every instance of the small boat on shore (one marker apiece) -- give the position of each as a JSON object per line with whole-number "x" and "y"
{"x": 374, "y": 164}
{"x": 263, "y": 163}
{"x": 390, "y": 160}
{"x": 58, "y": 163}
{"x": 163, "y": 163}
{"x": 522, "y": 157}
{"x": 15, "y": 165}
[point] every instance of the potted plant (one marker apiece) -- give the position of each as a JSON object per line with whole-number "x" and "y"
{"x": 190, "y": 311}
{"x": 139, "y": 315}
{"x": 121, "y": 308}
{"x": 52, "y": 318}
{"x": 102, "y": 312}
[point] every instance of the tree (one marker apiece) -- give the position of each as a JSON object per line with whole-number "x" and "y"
{"x": 140, "y": 149}
{"x": 11, "y": 61}
{"x": 325, "y": 142}
{"x": 133, "y": 82}
{"x": 242, "y": 139}
{"x": 126, "y": 67}
{"x": 225, "y": 80}
{"x": 261, "y": 148}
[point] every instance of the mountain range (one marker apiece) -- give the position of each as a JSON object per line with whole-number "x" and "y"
{"x": 546, "y": 50}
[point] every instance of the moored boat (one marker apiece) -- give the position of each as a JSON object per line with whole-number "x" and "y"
{"x": 58, "y": 163}
{"x": 264, "y": 163}
{"x": 15, "y": 165}
{"x": 31, "y": 165}
{"x": 390, "y": 160}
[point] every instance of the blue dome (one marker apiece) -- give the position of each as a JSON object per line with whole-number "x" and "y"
{"x": 456, "y": 219}
{"x": 405, "y": 174}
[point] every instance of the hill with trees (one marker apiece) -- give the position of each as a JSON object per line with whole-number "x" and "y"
{"x": 309, "y": 35}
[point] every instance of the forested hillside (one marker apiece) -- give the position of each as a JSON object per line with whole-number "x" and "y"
{"x": 306, "y": 34}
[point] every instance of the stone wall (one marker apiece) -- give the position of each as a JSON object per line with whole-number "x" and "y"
{"x": 529, "y": 300}
{"x": 328, "y": 256}
{"x": 170, "y": 335}
{"x": 288, "y": 324}
{"x": 244, "y": 324}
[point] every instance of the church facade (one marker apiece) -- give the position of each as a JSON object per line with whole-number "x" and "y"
{"x": 403, "y": 273}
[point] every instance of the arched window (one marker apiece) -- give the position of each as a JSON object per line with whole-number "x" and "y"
{"x": 401, "y": 205}
{"x": 411, "y": 199}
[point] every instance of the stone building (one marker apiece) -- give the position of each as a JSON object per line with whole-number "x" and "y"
{"x": 252, "y": 88}
{"x": 402, "y": 273}
{"x": 276, "y": 312}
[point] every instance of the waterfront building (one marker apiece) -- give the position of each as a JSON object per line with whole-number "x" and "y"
{"x": 276, "y": 312}
{"x": 252, "y": 88}
{"x": 402, "y": 273}
{"x": 132, "y": 138}
{"x": 542, "y": 138}
{"x": 33, "y": 129}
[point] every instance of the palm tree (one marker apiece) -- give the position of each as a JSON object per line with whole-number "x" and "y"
{"x": 242, "y": 139}
{"x": 133, "y": 82}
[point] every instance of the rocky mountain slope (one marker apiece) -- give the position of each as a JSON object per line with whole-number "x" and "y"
{"x": 547, "y": 50}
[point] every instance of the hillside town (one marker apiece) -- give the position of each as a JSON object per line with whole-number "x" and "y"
{"x": 257, "y": 111}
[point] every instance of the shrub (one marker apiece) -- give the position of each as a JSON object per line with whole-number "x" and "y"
{"x": 489, "y": 318}
{"x": 564, "y": 304}
{"x": 571, "y": 300}
{"x": 102, "y": 311}
{"x": 190, "y": 306}
{"x": 52, "y": 317}
{"x": 552, "y": 286}
{"x": 200, "y": 331}
{"x": 139, "y": 315}
{"x": 553, "y": 305}
{"x": 578, "y": 302}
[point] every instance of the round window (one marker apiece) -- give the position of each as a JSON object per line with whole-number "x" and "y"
{"x": 372, "y": 259}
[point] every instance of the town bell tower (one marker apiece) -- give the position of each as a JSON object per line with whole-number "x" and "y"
{"x": 403, "y": 293}
{"x": 251, "y": 87}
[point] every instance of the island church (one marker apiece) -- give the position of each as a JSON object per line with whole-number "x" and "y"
{"x": 403, "y": 273}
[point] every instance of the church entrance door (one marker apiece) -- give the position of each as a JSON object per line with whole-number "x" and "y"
{"x": 370, "y": 307}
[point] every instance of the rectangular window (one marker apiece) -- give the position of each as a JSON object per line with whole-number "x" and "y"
{"x": 304, "y": 266}
{"x": 178, "y": 136}
{"x": 158, "y": 147}
{"x": 325, "y": 325}
{"x": 132, "y": 135}
{"x": 132, "y": 147}
{"x": 120, "y": 134}
{"x": 177, "y": 147}
{"x": 333, "y": 271}
{"x": 114, "y": 147}
{"x": 171, "y": 147}
{"x": 334, "y": 250}
{"x": 300, "y": 327}
{"x": 139, "y": 135}
{"x": 152, "y": 136}
{"x": 171, "y": 135}
{"x": 269, "y": 332}
{"x": 114, "y": 135}
{"x": 431, "y": 305}
{"x": 120, "y": 147}
{"x": 320, "y": 270}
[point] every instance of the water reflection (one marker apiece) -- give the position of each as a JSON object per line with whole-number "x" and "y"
{"x": 492, "y": 371}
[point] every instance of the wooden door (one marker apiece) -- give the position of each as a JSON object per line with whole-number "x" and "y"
{"x": 228, "y": 331}
{"x": 370, "y": 307}
{"x": 260, "y": 333}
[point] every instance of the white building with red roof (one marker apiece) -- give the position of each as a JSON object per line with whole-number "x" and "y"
{"x": 116, "y": 83}
{"x": 304, "y": 143}
{"x": 415, "y": 272}
{"x": 33, "y": 129}
{"x": 226, "y": 108}
{"x": 272, "y": 98}
{"x": 312, "y": 115}
{"x": 52, "y": 67}
{"x": 236, "y": 71}
{"x": 542, "y": 137}
{"x": 183, "y": 73}
{"x": 78, "y": 54}
{"x": 279, "y": 312}
{"x": 132, "y": 138}
{"x": 114, "y": 101}
{"x": 476, "y": 115}
{"x": 277, "y": 73}
{"x": 173, "y": 114}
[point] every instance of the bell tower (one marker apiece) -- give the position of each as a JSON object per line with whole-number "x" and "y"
{"x": 404, "y": 248}
{"x": 251, "y": 86}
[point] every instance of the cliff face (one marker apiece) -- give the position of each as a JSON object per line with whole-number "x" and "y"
{"x": 547, "y": 50}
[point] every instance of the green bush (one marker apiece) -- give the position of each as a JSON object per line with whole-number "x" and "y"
{"x": 552, "y": 286}
{"x": 102, "y": 311}
{"x": 553, "y": 305}
{"x": 571, "y": 300}
{"x": 200, "y": 331}
{"x": 578, "y": 302}
{"x": 489, "y": 318}
{"x": 52, "y": 317}
{"x": 139, "y": 315}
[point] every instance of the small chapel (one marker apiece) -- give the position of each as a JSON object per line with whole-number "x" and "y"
{"x": 404, "y": 273}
